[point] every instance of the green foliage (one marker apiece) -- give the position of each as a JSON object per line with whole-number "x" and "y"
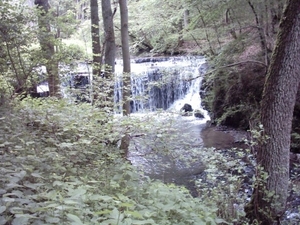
{"x": 21, "y": 56}
{"x": 72, "y": 52}
{"x": 161, "y": 34}
{"x": 6, "y": 89}
{"x": 59, "y": 166}
{"x": 225, "y": 182}
{"x": 16, "y": 35}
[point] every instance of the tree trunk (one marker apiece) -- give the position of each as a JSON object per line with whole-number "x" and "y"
{"x": 206, "y": 33}
{"x": 109, "y": 53}
{"x": 186, "y": 19}
{"x": 96, "y": 49}
{"x": 126, "y": 70}
{"x": 47, "y": 45}
{"x": 109, "y": 41}
{"x": 279, "y": 96}
{"x": 96, "y": 46}
{"x": 262, "y": 36}
{"x": 126, "y": 56}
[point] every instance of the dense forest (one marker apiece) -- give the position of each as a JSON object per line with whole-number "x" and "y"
{"x": 66, "y": 162}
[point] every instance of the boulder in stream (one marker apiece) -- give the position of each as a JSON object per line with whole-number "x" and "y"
{"x": 198, "y": 114}
{"x": 186, "y": 108}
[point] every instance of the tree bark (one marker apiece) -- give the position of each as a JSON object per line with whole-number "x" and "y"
{"x": 109, "y": 52}
{"x": 125, "y": 56}
{"x": 47, "y": 45}
{"x": 186, "y": 19}
{"x": 109, "y": 41}
{"x": 126, "y": 89}
{"x": 95, "y": 30}
{"x": 279, "y": 96}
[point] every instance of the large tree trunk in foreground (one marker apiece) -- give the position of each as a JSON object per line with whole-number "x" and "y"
{"x": 47, "y": 45}
{"x": 279, "y": 96}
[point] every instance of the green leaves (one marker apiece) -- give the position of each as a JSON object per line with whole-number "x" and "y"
{"x": 20, "y": 221}
{"x": 65, "y": 171}
{"x": 74, "y": 219}
{"x": 2, "y": 209}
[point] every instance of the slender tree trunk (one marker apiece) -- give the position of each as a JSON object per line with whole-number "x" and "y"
{"x": 279, "y": 96}
{"x": 96, "y": 46}
{"x": 47, "y": 44}
{"x": 267, "y": 16}
{"x": 109, "y": 52}
{"x": 261, "y": 32}
{"x": 126, "y": 56}
{"x": 186, "y": 19}
{"x": 206, "y": 33}
{"x": 126, "y": 69}
{"x": 109, "y": 41}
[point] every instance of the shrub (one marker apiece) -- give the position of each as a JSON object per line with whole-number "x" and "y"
{"x": 60, "y": 165}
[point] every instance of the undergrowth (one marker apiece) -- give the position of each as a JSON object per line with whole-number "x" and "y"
{"x": 60, "y": 164}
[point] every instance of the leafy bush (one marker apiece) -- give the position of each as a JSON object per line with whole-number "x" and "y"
{"x": 72, "y": 52}
{"x": 60, "y": 165}
{"x": 6, "y": 89}
{"x": 226, "y": 182}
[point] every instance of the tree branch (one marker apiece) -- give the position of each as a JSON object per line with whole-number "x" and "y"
{"x": 230, "y": 65}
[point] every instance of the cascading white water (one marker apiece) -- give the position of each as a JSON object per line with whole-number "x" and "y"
{"x": 156, "y": 83}
{"x": 164, "y": 83}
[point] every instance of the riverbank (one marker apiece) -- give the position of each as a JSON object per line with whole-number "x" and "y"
{"x": 224, "y": 138}
{"x": 221, "y": 137}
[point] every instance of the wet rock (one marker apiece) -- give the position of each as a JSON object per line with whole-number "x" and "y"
{"x": 186, "y": 108}
{"x": 198, "y": 114}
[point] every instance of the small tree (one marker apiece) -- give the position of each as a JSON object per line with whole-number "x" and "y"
{"x": 126, "y": 56}
{"x": 109, "y": 38}
{"x": 17, "y": 59}
{"x": 47, "y": 42}
{"x": 95, "y": 30}
{"x": 126, "y": 68}
{"x": 109, "y": 48}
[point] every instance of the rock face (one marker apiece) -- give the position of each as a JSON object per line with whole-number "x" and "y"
{"x": 186, "y": 108}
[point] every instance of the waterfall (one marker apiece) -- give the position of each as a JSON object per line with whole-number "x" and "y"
{"x": 163, "y": 83}
{"x": 156, "y": 83}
